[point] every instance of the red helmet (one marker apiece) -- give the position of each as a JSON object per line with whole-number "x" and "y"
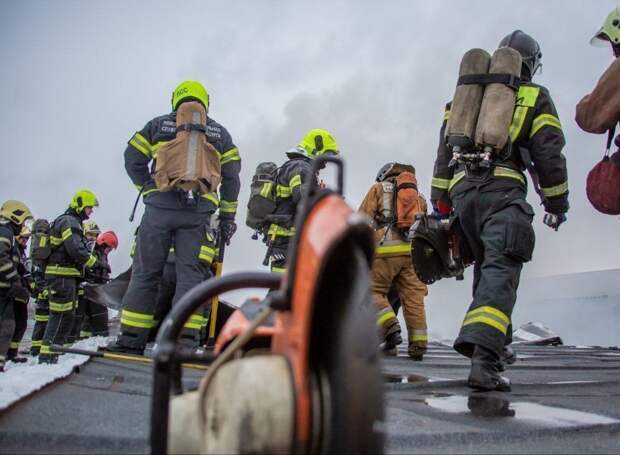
{"x": 108, "y": 238}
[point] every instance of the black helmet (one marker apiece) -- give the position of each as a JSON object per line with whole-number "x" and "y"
{"x": 528, "y": 48}
{"x": 384, "y": 171}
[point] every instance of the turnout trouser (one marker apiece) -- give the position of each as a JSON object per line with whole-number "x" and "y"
{"x": 497, "y": 226}
{"x": 41, "y": 317}
{"x": 159, "y": 229}
{"x": 62, "y": 302}
{"x": 78, "y": 316}
{"x": 7, "y": 324}
{"x": 398, "y": 271}
{"x": 20, "y": 310}
{"x": 278, "y": 254}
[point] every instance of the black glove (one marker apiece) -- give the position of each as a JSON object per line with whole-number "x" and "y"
{"x": 228, "y": 227}
{"x": 553, "y": 220}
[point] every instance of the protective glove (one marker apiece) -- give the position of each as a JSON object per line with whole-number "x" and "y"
{"x": 553, "y": 220}
{"x": 228, "y": 227}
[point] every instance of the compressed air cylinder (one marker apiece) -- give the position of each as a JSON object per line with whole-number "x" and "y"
{"x": 498, "y": 103}
{"x": 466, "y": 102}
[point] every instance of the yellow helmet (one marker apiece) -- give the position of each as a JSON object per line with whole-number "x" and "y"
{"x": 317, "y": 142}
{"x": 16, "y": 211}
{"x": 190, "y": 90}
{"x": 610, "y": 31}
{"x": 83, "y": 198}
{"x": 91, "y": 227}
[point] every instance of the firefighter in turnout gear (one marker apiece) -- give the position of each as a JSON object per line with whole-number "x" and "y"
{"x": 21, "y": 293}
{"x": 496, "y": 220}
{"x": 174, "y": 217}
{"x": 292, "y": 180}
{"x": 13, "y": 215}
{"x": 392, "y": 266}
{"x": 65, "y": 269}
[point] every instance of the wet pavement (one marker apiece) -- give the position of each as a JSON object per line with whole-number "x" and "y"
{"x": 564, "y": 400}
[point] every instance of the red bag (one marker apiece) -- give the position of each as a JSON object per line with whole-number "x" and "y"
{"x": 603, "y": 183}
{"x": 407, "y": 200}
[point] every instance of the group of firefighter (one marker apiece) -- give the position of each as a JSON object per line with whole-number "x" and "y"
{"x": 488, "y": 201}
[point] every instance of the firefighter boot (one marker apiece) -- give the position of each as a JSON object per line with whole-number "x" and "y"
{"x": 416, "y": 352}
{"x": 484, "y": 374}
{"x": 509, "y": 356}
{"x": 118, "y": 348}
{"x": 390, "y": 346}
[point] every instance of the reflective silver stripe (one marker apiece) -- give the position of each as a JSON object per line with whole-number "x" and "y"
{"x": 388, "y": 195}
{"x": 192, "y": 147}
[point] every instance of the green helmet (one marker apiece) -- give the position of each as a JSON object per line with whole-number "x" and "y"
{"x": 610, "y": 31}
{"x": 317, "y": 142}
{"x": 83, "y": 198}
{"x": 190, "y": 90}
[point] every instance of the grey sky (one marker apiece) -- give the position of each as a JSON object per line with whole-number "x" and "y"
{"x": 80, "y": 77}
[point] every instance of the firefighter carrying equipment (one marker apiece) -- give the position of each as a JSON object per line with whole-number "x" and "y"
{"x": 318, "y": 142}
{"x": 40, "y": 245}
{"x": 610, "y": 31}
{"x": 262, "y": 201}
{"x": 189, "y": 162}
{"x": 190, "y": 90}
{"x": 484, "y": 102}
{"x": 15, "y": 211}
{"x": 437, "y": 249}
{"x": 83, "y": 198}
{"x": 108, "y": 238}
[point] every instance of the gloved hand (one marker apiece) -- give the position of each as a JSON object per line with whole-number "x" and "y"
{"x": 553, "y": 220}
{"x": 228, "y": 227}
{"x": 441, "y": 210}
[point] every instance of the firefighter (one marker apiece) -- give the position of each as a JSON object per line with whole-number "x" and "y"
{"x": 91, "y": 231}
{"x": 599, "y": 111}
{"x": 41, "y": 311}
{"x": 496, "y": 219}
{"x": 175, "y": 218}
{"x": 64, "y": 270}
{"x": 21, "y": 293}
{"x": 13, "y": 215}
{"x": 292, "y": 179}
{"x": 392, "y": 266}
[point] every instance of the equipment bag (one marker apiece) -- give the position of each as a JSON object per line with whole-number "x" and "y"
{"x": 262, "y": 202}
{"x": 189, "y": 162}
{"x": 40, "y": 246}
{"x": 407, "y": 201}
{"x": 603, "y": 183}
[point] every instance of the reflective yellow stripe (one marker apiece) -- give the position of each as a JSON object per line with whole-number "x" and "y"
{"x": 230, "y": 156}
{"x": 446, "y": 115}
{"x": 228, "y": 206}
{"x": 206, "y": 253}
{"x": 418, "y": 335}
{"x": 155, "y": 148}
{"x": 510, "y": 173}
{"x": 440, "y": 183}
{"x": 278, "y": 269}
{"x": 36, "y": 343}
{"x": 85, "y": 334}
{"x": 489, "y": 316}
{"x": 212, "y": 197}
{"x": 55, "y": 241}
{"x": 41, "y": 318}
{"x": 59, "y": 307}
{"x": 141, "y": 144}
{"x": 526, "y": 98}
{"x": 544, "y": 120}
{"x": 393, "y": 249}
{"x": 62, "y": 271}
{"x": 456, "y": 179}
{"x": 92, "y": 260}
{"x": 384, "y": 317}
{"x": 140, "y": 320}
{"x": 265, "y": 190}
{"x": 283, "y": 191}
{"x": 295, "y": 182}
{"x": 195, "y": 322}
{"x": 13, "y": 344}
{"x": 279, "y": 231}
{"x": 66, "y": 234}
{"x": 4, "y": 285}
{"x": 152, "y": 190}
{"x": 557, "y": 190}
{"x": 7, "y": 266}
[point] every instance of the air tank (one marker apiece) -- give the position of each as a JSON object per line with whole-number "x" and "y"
{"x": 466, "y": 102}
{"x": 498, "y": 103}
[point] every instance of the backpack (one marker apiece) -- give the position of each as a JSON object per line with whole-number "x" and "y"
{"x": 40, "y": 246}
{"x": 188, "y": 162}
{"x": 406, "y": 200}
{"x": 262, "y": 202}
{"x": 603, "y": 182}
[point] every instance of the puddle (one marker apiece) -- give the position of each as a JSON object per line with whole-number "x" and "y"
{"x": 489, "y": 406}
